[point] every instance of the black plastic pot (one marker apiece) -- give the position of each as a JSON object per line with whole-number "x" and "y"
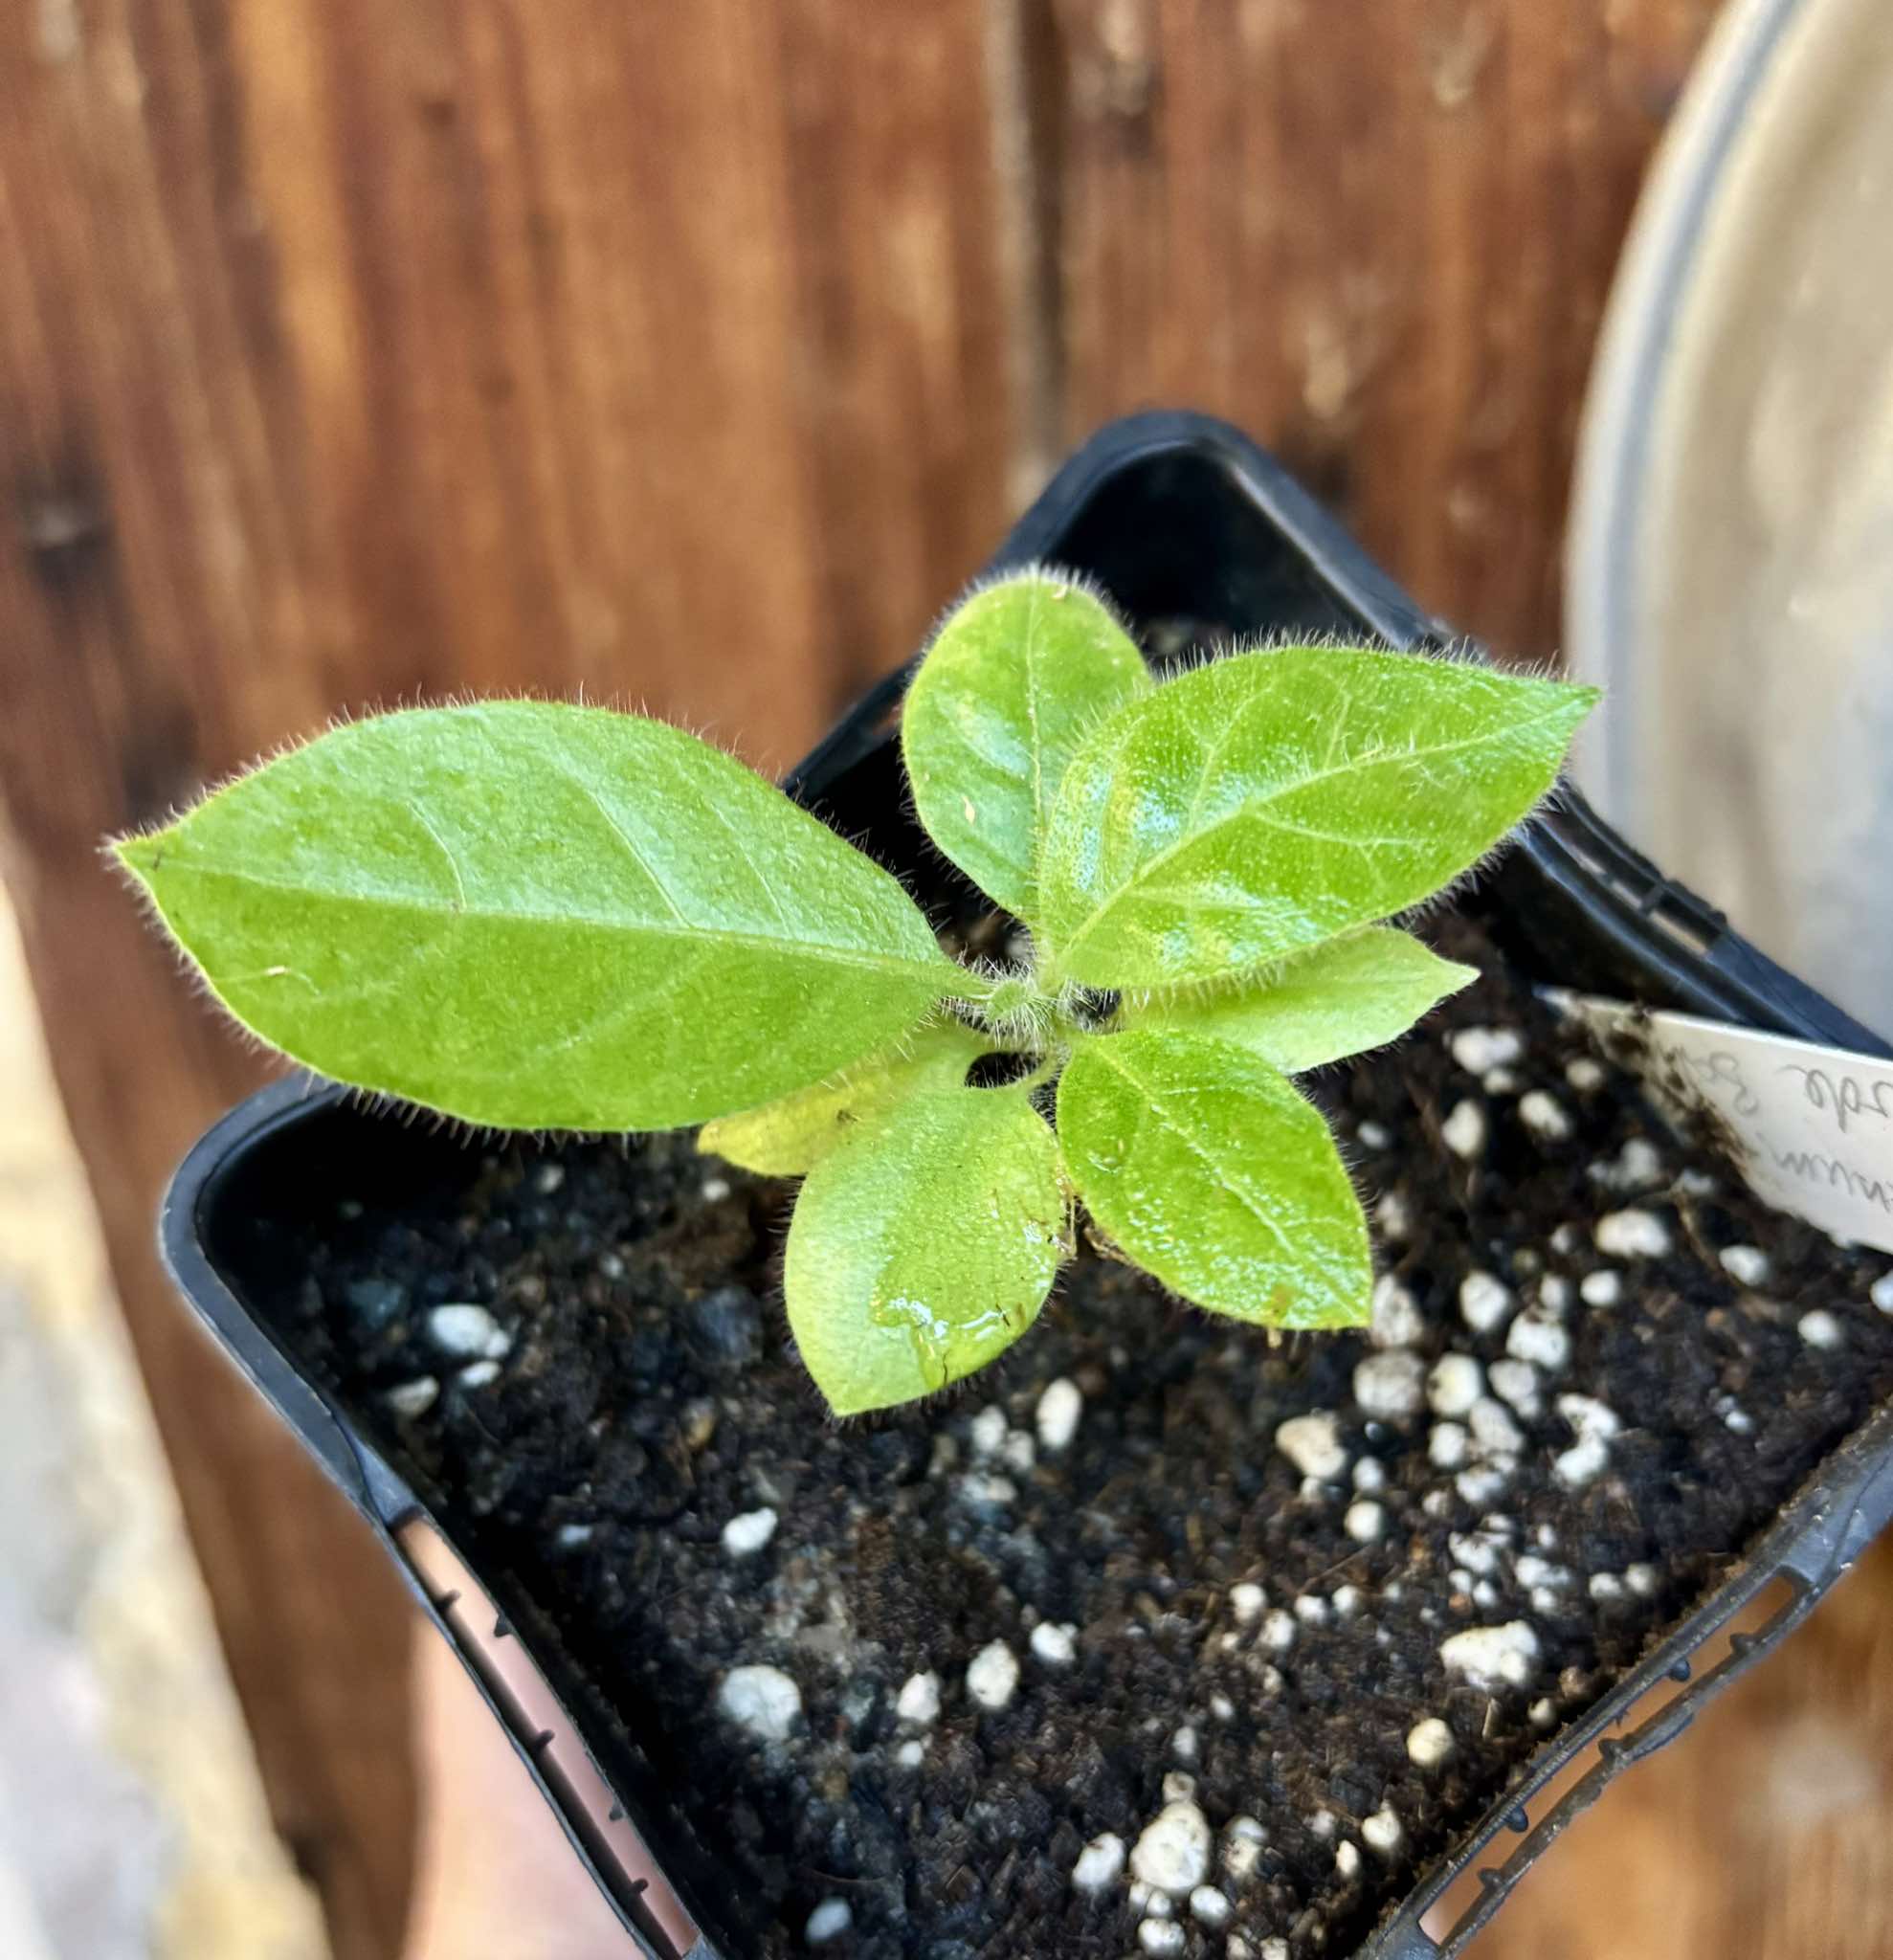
{"x": 1176, "y": 515}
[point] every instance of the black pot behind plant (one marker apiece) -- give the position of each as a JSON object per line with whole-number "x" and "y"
{"x": 1096, "y": 1653}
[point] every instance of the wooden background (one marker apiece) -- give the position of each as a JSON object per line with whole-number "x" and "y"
{"x": 690, "y": 354}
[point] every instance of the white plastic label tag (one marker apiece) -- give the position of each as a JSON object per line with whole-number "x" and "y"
{"x": 1809, "y": 1127}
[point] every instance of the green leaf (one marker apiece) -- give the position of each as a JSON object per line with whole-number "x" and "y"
{"x": 924, "y": 1246}
{"x": 1271, "y": 801}
{"x": 530, "y": 914}
{"x": 792, "y": 1135}
{"x": 1207, "y": 1167}
{"x": 1336, "y": 999}
{"x": 1016, "y": 677}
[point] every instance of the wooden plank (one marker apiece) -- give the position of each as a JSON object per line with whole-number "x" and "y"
{"x": 1377, "y": 235}
{"x": 1759, "y": 1832}
{"x": 350, "y": 353}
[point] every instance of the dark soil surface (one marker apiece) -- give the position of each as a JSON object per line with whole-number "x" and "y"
{"x": 1176, "y": 1608}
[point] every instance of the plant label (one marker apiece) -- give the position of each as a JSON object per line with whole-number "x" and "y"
{"x": 1809, "y": 1127}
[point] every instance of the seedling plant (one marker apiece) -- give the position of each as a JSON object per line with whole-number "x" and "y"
{"x": 534, "y": 915}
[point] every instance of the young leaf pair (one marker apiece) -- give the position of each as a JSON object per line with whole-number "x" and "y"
{"x": 1200, "y": 865}
{"x": 533, "y": 915}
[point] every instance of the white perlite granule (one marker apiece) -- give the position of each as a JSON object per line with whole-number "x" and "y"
{"x": 1242, "y": 1845}
{"x": 1584, "y": 1461}
{"x": 763, "y": 1700}
{"x": 829, "y": 1920}
{"x": 1484, "y": 1302}
{"x": 1246, "y": 1601}
{"x": 1603, "y": 1289}
{"x": 1493, "y": 1657}
{"x": 1464, "y": 1133}
{"x": 1880, "y": 1291}
{"x": 1055, "y": 1646}
{"x": 1631, "y": 1235}
{"x": 1056, "y": 1416}
{"x": 1396, "y": 1320}
{"x": 1479, "y": 1049}
{"x": 1515, "y": 1383}
{"x": 1208, "y": 1906}
{"x": 1446, "y": 1445}
{"x": 467, "y": 1331}
{"x": 1312, "y": 1443}
{"x": 919, "y": 1699}
{"x": 1429, "y": 1743}
{"x": 1747, "y": 1265}
{"x": 1820, "y": 1328}
{"x": 1382, "y": 1832}
{"x": 1100, "y": 1864}
{"x": 1456, "y": 1382}
{"x": 992, "y": 1674}
{"x": 1595, "y": 1423}
{"x": 1636, "y": 1167}
{"x": 1542, "y": 1342}
{"x": 1484, "y": 1483}
{"x": 1365, "y": 1521}
{"x": 1493, "y": 1429}
{"x": 1390, "y": 1384}
{"x": 1589, "y": 1417}
{"x": 415, "y": 1397}
{"x": 749, "y": 1531}
{"x": 987, "y": 1431}
{"x": 1174, "y": 1854}
{"x": 1162, "y": 1938}
{"x": 1543, "y": 1115}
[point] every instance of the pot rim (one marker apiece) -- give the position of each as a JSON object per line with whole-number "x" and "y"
{"x": 1680, "y": 951}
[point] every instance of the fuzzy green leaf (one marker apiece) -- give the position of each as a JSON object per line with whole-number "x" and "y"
{"x": 1208, "y": 1169}
{"x": 924, "y": 1246}
{"x": 792, "y": 1135}
{"x": 1014, "y": 681}
{"x": 1336, "y": 999}
{"x": 1271, "y": 801}
{"x": 530, "y": 914}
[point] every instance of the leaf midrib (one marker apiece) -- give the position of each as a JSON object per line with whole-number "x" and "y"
{"x": 1240, "y": 1192}
{"x": 1255, "y": 806}
{"x": 684, "y": 930}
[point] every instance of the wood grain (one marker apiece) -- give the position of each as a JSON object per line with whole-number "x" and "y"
{"x": 350, "y": 353}
{"x": 1761, "y": 1833}
{"x": 1377, "y": 235}
{"x": 693, "y": 356}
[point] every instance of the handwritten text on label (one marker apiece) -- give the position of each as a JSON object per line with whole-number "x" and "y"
{"x": 1811, "y": 1126}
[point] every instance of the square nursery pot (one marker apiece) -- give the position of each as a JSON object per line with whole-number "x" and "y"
{"x": 923, "y": 1685}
